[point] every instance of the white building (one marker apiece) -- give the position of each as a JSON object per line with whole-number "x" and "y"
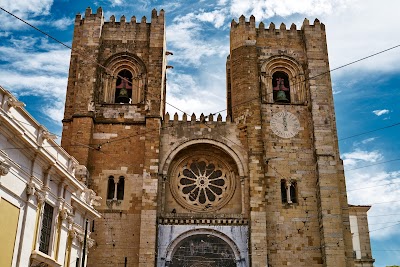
{"x": 44, "y": 203}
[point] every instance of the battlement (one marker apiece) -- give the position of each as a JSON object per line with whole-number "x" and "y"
{"x": 250, "y": 26}
{"x": 89, "y": 16}
{"x": 193, "y": 118}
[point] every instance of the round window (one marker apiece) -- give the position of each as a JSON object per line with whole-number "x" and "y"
{"x": 202, "y": 183}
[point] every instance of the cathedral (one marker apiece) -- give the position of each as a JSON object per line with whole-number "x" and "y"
{"x": 263, "y": 186}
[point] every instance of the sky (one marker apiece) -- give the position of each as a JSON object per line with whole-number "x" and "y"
{"x": 366, "y": 93}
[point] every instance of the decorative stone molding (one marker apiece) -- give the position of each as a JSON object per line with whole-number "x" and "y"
{"x": 41, "y": 196}
{"x": 49, "y": 136}
{"x": 81, "y": 173}
{"x": 89, "y": 196}
{"x": 72, "y": 166}
{"x": 222, "y": 221}
{"x": 111, "y": 202}
{"x": 72, "y": 233}
{"x": 44, "y": 134}
{"x": 30, "y": 188}
{"x": 15, "y": 103}
{"x": 4, "y": 168}
{"x": 70, "y": 218}
{"x": 64, "y": 213}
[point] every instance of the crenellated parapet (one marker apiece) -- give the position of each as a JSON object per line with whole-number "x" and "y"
{"x": 212, "y": 118}
{"x": 95, "y": 26}
{"x": 246, "y": 33}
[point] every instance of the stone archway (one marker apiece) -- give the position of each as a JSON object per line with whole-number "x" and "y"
{"x": 202, "y": 250}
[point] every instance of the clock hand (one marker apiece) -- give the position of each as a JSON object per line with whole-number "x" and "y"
{"x": 284, "y": 123}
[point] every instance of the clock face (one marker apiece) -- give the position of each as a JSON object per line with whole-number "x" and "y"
{"x": 285, "y": 124}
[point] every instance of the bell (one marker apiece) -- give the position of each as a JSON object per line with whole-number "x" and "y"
{"x": 123, "y": 96}
{"x": 281, "y": 97}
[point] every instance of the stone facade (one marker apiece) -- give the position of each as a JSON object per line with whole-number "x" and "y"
{"x": 263, "y": 187}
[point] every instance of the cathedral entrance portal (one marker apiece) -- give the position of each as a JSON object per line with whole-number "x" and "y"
{"x": 203, "y": 250}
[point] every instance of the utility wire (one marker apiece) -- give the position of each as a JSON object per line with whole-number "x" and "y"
{"x": 374, "y": 164}
{"x": 378, "y": 129}
{"x": 372, "y": 186}
{"x": 384, "y": 227}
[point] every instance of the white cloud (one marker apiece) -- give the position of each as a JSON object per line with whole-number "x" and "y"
{"x": 368, "y": 140}
{"x": 268, "y": 8}
{"x": 193, "y": 95}
{"x": 40, "y": 73}
{"x": 33, "y": 7}
{"x": 351, "y": 36}
{"x": 61, "y": 23}
{"x": 336, "y": 92}
{"x": 216, "y": 17}
{"x": 379, "y": 188}
{"x": 54, "y": 110}
{"x": 380, "y": 112}
{"x": 358, "y": 156}
{"x": 187, "y": 39}
{"x": 31, "y": 11}
{"x": 116, "y": 2}
{"x": 374, "y": 186}
{"x": 5, "y": 34}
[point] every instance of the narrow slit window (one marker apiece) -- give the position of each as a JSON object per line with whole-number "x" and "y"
{"x": 293, "y": 192}
{"x": 283, "y": 191}
{"x": 110, "y": 188}
{"x": 120, "y": 188}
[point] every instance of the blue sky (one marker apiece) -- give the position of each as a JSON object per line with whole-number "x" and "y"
{"x": 366, "y": 93}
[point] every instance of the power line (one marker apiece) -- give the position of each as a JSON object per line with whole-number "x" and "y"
{"x": 381, "y": 215}
{"x": 372, "y": 186}
{"x": 374, "y": 164}
{"x": 384, "y": 227}
{"x": 382, "y": 128}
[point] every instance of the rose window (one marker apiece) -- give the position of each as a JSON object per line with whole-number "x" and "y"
{"x": 201, "y": 184}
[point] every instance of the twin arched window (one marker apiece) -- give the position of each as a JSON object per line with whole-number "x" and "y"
{"x": 115, "y": 188}
{"x": 289, "y": 191}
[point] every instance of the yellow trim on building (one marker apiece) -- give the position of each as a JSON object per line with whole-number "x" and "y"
{"x": 39, "y": 208}
{"x": 68, "y": 252}
{"x": 9, "y": 226}
{"x": 58, "y": 233}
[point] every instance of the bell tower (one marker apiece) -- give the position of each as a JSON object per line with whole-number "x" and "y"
{"x": 278, "y": 80}
{"x": 114, "y": 106}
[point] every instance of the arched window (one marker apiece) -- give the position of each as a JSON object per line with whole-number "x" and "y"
{"x": 124, "y": 81}
{"x": 281, "y": 87}
{"x": 115, "y": 190}
{"x": 293, "y": 192}
{"x": 288, "y": 191}
{"x": 283, "y": 191}
{"x": 110, "y": 187}
{"x": 123, "y": 88}
{"x": 120, "y": 188}
{"x": 283, "y": 81}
